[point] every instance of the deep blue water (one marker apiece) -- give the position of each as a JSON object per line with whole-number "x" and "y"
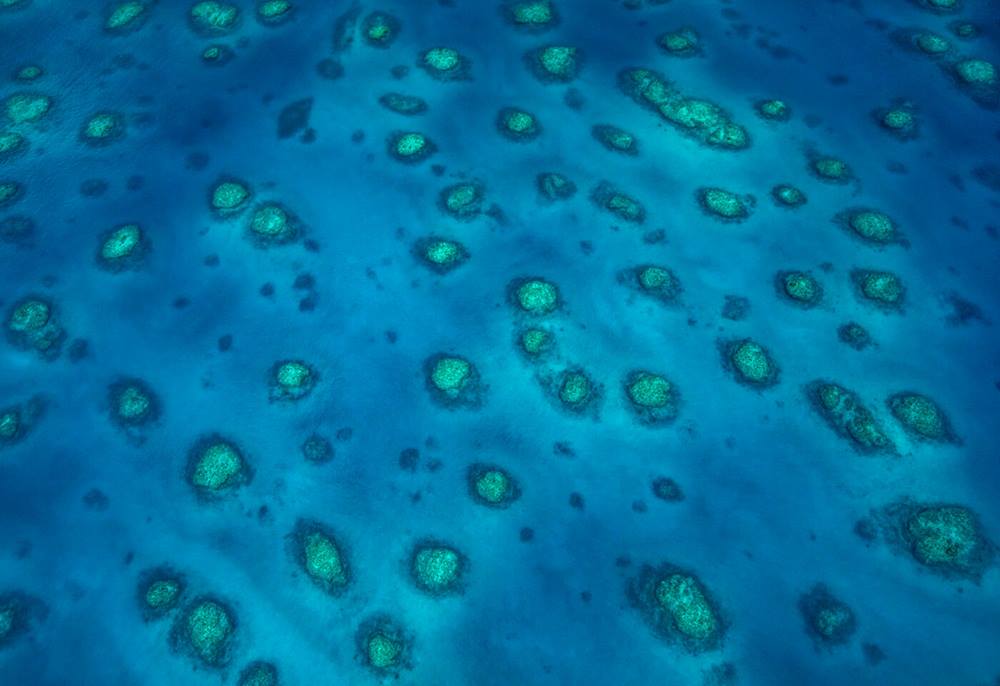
{"x": 772, "y": 494}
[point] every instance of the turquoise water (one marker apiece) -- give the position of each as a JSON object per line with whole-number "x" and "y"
{"x": 772, "y": 495}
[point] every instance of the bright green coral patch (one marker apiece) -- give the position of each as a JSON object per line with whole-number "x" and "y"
{"x": 436, "y": 568}
{"x": 207, "y": 629}
{"x": 27, "y": 108}
{"x": 410, "y": 146}
{"x": 556, "y": 62}
{"x": 683, "y": 597}
{"x": 872, "y": 226}
{"x": 126, "y": 16}
{"x": 517, "y": 124}
{"x": 215, "y": 465}
{"x": 800, "y": 287}
{"x": 844, "y": 412}
{"x": 724, "y": 204}
{"x": 752, "y": 363}
{"x": 229, "y": 195}
{"x": 532, "y": 14}
{"x": 103, "y": 128}
{"x": 121, "y": 245}
{"x": 536, "y": 296}
{"x": 787, "y": 195}
{"x": 321, "y": 556}
{"x": 976, "y": 72}
{"x": 774, "y": 110}
{"x": 209, "y": 17}
{"x": 272, "y": 224}
{"x": 492, "y": 486}
{"x": 921, "y": 416}
{"x": 881, "y": 288}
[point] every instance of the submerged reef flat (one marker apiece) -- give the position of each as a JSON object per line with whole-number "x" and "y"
{"x": 291, "y": 380}
{"x": 17, "y": 421}
{"x": 618, "y": 203}
{"x": 121, "y": 18}
{"x": 555, "y": 186}
{"x": 453, "y": 381}
{"x": 678, "y": 606}
{"x": 160, "y": 590}
{"x": 216, "y": 466}
{"x": 882, "y": 289}
{"x": 683, "y": 42}
{"x": 440, "y": 254}
{"x": 123, "y": 247}
{"x": 829, "y": 621}
{"x": 654, "y": 281}
{"x": 534, "y": 296}
{"x": 20, "y": 613}
{"x": 921, "y": 417}
{"x": 749, "y": 362}
{"x": 946, "y": 539}
{"x": 699, "y": 119}
{"x": 573, "y": 390}
{"x": 492, "y": 486}
{"x": 463, "y": 200}
{"x": 615, "y": 139}
{"x": 32, "y": 324}
{"x": 725, "y": 205}
{"x": 229, "y": 196}
{"x": 531, "y": 15}
{"x": 259, "y": 673}
{"x": 555, "y": 63}
{"x": 383, "y": 646}
{"x": 799, "y": 288}
{"x": 844, "y": 412}
{"x": 870, "y": 226}
{"x": 410, "y": 147}
{"x": 437, "y": 568}
{"x": 318, "y": 552}
{"x": 273, "y": 224}
{"x": 132, "y": 404}
{"x": 444, "y": 64}
{"x": 787, "y": 195}
{"x": 205, "y": 632}
{"x": 518, "y": 125}
{"x": 652, "y": 398}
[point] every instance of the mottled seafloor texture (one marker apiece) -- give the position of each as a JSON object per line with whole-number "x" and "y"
{"x": 800, "y": 547}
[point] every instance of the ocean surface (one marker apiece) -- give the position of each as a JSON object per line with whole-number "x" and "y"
{"x": 771, "y": 499}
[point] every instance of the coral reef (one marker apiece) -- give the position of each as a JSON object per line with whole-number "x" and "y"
{"x": 615, "y": 139}
{"x": 453, "y": 381}
{"x": 122, "y": 247}
{"x": 945, "y": 538}
{"x": 829, "y": 620}
{"x": 608, "y": 197}
{"x": 205, "y": 631}
{"x": 492, "y": 486}
{"x": 33, "y": 324}
{"x": 652, "y": 398}
{"x": 160, "y": 590}
{"x": 921, "y": 417}
{"x": 799, "y": 288}
{"x": 678, "y": 606}
{"x": 291, "y": 380}
{"x": 749, "y": 362}
{"x": 215, "y": 466}
{"x": 437, "y": 568}
{"x": 699, "y": 119}
{"x": 724, "y": 204}
{"x": 844, "y": 412}
{"x": 319, "y": 553}
{"x": 439, "y": 254}
{"x": 883, "y": 289}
